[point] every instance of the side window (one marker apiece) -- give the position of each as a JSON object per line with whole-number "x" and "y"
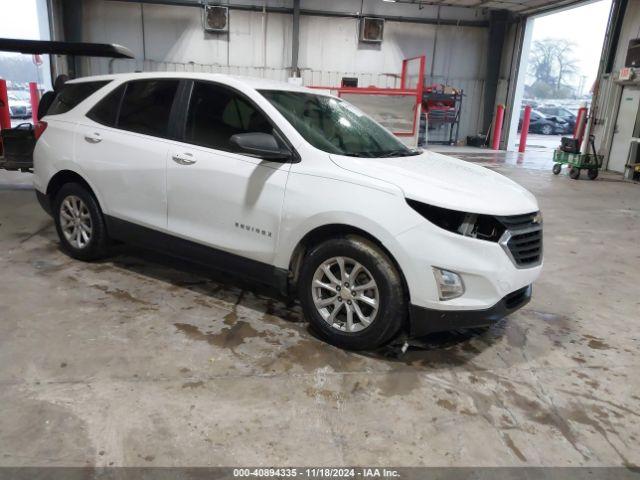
{"x": 217, "y": 113}
{"x": 146, "y": 106}
{"x": 71, "y": 95}
{"x": 106, "y": 110}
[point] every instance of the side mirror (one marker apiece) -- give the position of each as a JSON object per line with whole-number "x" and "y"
{"x": 262, "y": 145}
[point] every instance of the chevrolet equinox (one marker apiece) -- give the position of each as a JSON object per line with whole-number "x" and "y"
{"x": 290, "y": 187}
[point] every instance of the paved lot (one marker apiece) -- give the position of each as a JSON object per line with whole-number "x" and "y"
{"x": 143, "y": 360}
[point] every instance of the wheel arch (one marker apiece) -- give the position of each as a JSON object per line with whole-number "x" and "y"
{"x": 68, "y": 176}
{"x": 335, "y": 230}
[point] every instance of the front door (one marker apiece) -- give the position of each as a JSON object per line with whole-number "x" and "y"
{"x": 216, "y": 197}
{"x": 623, "y": 131}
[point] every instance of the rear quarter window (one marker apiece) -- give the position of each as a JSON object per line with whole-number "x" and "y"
{"x": 72, "y": 94}
{"x": 106, "y": 110}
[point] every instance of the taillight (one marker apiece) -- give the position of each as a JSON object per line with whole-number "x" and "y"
{"x": 39, "y": 128}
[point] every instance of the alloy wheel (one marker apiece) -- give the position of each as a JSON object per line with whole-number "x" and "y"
{"x": 345, "y": 294}
{"x": 75, "y": 222}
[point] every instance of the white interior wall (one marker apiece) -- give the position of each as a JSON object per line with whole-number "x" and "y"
{"x": 329, "y": 49}
{"x": 609, "y": 91}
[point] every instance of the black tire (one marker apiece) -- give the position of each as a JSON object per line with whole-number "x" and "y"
{"x": 574, "y": 173}
{"x": 557, "y": 168}
{"x": 593, "y": 173}
{"x": 546, "y": 130}
{"x": 392, "y": 306}
{"x": 97, "y": 245}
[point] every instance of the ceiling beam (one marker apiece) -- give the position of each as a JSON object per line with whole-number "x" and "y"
{"x": 322, "y": 13}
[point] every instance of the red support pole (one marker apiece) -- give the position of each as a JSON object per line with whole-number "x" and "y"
{"x": 497, "y": 127}
{"x": 5, "y": 117}
{"x": 581, "y": 123}
{"x": 526, "y": 119}
{"x": 35, "y": 100}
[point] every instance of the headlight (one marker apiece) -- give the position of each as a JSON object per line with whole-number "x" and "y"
{"x": 484, "y": 227}
{"x": 450, "y": 284}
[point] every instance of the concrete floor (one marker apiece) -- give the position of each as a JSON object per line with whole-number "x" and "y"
{"x": 141, "y": 360}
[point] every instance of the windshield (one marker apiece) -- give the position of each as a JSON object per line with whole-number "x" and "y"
{"x": 336, "y": 126}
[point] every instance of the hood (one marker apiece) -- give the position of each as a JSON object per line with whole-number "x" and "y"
{"x": 446, "y": 182}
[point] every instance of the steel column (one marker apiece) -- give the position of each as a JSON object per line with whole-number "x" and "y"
{"x": 497, "y": 36}
{"x": 295, "y": 40}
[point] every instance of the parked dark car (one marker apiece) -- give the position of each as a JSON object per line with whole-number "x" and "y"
{"x": 559, "y": 112}
{"x": 541, "y": 123}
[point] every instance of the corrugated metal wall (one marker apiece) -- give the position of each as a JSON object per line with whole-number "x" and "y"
{"x": 329, "y": 49}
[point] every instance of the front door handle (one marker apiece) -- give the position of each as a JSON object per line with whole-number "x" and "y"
{"x": 183, "y": 158}
{"x": 93, "y": 137}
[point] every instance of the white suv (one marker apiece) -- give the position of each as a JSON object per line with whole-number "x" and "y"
{"x": 292, "y": 188}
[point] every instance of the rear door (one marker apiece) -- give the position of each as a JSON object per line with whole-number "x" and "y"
{"x": 218, "y": 197}
{"x": 122, "y": 146}
{"x": 17, "y": 144}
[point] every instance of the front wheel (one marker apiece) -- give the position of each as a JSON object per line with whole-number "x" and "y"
{"x": 557, "y": 168}
{"x": 79, "y": 222}
{"x": 352, "y": 294}
{"x": 546, "y": 130}
{"x": 593, "y": 173}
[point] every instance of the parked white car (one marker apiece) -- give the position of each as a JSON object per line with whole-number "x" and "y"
{"x": 293, "y": 188}
{"x": 19, "y": 104}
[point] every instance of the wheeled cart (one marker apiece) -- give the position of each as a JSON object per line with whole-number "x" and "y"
{"x": 591, "y": 162}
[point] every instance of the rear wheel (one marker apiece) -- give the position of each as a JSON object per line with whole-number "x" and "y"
{"x": 557, "y": 168}
{"x": 352, "y": 293}
{"x": 574, "y": 173}
{"x": 79, "y": 223}
{"x": 593, "y": 173}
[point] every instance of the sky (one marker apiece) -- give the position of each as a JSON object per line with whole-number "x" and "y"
{"x": 585, "y": 26}
{"x": 19, "y": 19}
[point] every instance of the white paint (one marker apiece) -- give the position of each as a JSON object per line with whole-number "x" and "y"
{"x": 623, "y": 131}
{"x": 203, "y": 204}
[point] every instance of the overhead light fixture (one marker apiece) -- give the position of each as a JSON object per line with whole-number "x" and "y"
{"x": 389, "y": 1}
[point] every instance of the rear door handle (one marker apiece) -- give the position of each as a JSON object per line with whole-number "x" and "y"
{"x": 93, "y": 137}
{"x": 183, "y": 158}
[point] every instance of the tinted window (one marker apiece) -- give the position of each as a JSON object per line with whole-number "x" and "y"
{"x": 71, "y": 95}
{"x": 106, "y": 110}
{"x": 146, "y": 106}
{"x": 216, "y": 113}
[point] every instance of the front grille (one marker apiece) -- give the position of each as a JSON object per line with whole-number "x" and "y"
{"x": 523, "y": 239}
{"x": 19, "y": 110}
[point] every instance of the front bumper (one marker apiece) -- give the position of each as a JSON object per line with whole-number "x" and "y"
{"x": 425, "y": 320}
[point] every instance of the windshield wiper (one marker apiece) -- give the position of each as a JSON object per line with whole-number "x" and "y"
{"x": 398, "y": 153}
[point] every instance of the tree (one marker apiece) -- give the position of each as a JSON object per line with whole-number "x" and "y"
{"x": 541, "y": 61}
{"x": 552, "y": 65}
{"x": 567, "y": 66}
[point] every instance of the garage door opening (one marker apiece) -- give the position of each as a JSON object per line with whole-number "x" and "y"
{"x": 26, "y": 20}
{"x": 558, "y": 69}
